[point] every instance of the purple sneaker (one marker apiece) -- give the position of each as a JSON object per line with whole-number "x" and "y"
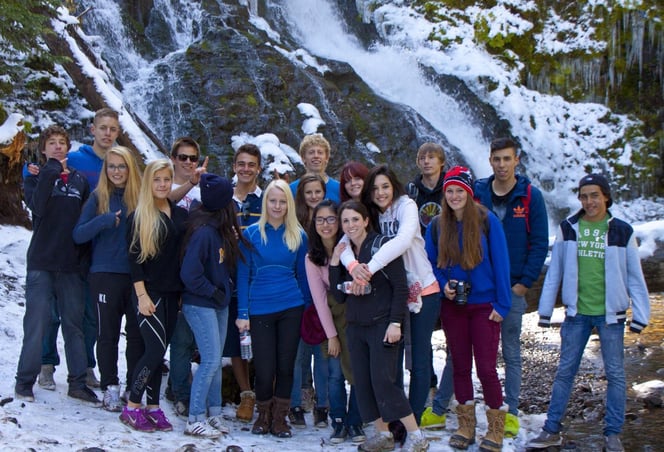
{"x": 158, "y": 419}
{"x": 135, "y": 418}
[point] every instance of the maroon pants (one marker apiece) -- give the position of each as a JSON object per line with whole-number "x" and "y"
{"x": 469, "y": 333}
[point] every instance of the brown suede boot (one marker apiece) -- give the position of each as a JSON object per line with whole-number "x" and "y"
{"x": 264, "y": 421}
{"x": 245, "y": 411}
{"x": 280, "y": 427}
{"x": 465, "y": 434}
{"x": 493, "y": 440}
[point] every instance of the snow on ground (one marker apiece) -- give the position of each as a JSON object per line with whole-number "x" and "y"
{"x": 55, "y": 422}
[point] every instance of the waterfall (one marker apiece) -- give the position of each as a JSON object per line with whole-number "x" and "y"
{"x": 393, "y": 73}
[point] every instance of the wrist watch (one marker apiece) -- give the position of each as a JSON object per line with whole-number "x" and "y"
{"x": 397, "y": 324}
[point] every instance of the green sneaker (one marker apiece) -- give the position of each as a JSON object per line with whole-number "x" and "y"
{"x": 431, "y": 420}
{"x": 511, "y": 425}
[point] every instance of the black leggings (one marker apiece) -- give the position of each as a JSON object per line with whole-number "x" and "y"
{"x": 156, "y": 331}
{"x": 111, "y": 293}
{"x": 275, "y": 338}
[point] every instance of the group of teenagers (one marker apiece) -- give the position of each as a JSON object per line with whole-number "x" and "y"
{"x": 193, "y": 260}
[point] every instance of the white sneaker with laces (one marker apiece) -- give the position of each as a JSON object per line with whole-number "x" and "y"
{"x": 111, "y": 401}
{"x": 217, "y": 423}
{"x": 201, "y": 429}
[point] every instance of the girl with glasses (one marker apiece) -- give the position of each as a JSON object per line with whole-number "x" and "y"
{"x": 103, "y": 222}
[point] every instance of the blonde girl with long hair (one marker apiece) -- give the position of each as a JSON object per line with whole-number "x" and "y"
{"x": 155, "y": 235}
{"x": 272, "y": 286}
{"x": 103, "y": 222}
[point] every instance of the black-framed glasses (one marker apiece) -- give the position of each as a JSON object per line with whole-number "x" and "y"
{"x": 120, "y": 167}
{"x": 185, "y": 157}
{"x": 329, "y": 220}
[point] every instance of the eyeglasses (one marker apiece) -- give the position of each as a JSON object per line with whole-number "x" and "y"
{"x": 328, "y": 220}
{"x": 185, "y": 157}
{"x": 120, "y": 167}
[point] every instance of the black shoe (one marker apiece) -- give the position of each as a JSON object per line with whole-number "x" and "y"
{"x": 85, "y": 395}
{"x": 340, "y": 433}
{"x": 356, "y": 434}
{"x": 24, "y": 393}
{"x": 320, "y": 417}
{"x": 296, "y": 417}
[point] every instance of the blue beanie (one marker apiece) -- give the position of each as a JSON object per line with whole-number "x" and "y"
{"x": 216, "y": 191}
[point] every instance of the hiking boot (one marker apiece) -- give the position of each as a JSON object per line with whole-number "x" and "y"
{"x": 24, "y": 393}
{"x": 280, "y": 427}
{"x": 356, "y": 434}
{"x": 217, "y": 422}
{"x": 320, "y": 417}
{"x": 296, "y": 417}
{"x": 493, "y": 440}
{"x": 465, "y": 434}
{"x": 612, "y": 443}
{"x": 264, "y": 421}
{"x": 419, "y": 444}
{"x": 308, "y": 399}
{"x": 511, "y": 425}
{"x": 339, "y": 432}
{"x": 111, "y": 399}
{"x": 431, "y": 420}
{"x": 159, "y": 420}
{"x": 377, "y": 443}
{"x": 245, "y": 411}
{"x": 45, "y": 379}
{"x": 201, "y": 429}
{"x": 545, "y": 439}
{"x": 181, "y": 408}
{"x": 135, "y": 418}
{"x": 91, "y": 379}
{"x": 85, "y": 395}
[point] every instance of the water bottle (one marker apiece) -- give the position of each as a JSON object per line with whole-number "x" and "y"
{"x": 345, "y": 287}
{"x": 245, "y": 345}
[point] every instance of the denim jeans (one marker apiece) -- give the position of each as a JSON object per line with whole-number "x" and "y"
{"x": 510, "y": 335}
{"x": 209, "y": 328}
{"x": 183, "y": 346}
{"x": 320, "y": 374}
{"x": 50, "y": 342}
{"x": 445, "y": 388}
{"x": 42, "y": 289}
{"x": 574, "y": 335}
{"x": 421, "y": 328}
{"x": 339, "y": 398}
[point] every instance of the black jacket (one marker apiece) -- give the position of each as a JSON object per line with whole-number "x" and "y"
{"x": 389, "y": 290}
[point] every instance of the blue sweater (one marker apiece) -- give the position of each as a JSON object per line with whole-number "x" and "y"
{"x": 527, "y": 249}
{"x": 86, "y": 162}
{"x": 490, "y": 280}
{"x": 273, "y": 278}
{"x": 110, "y": 252}
{"x": 204, "y": 270}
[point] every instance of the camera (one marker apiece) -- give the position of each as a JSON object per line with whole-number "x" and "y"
{"x": 462, "y": 289}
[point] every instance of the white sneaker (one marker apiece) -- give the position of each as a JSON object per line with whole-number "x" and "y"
{"x": 111, "y": 400}
{"x": 217, "y": 423}
{"x": 201, "y": 429}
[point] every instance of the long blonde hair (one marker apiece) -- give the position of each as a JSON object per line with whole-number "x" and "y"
{"x": 105, "y": 187}
{"x": 149, "y": 226}
{"x": 293, "y": 233}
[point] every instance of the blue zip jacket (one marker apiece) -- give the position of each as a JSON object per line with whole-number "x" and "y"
{"x": 273, "y": 278}
{"x": 110, "y": 252}
{"x": 527, "y": 250}
{"x": 490, "y": 280}
{"x": 622, "y": 273}
{"x": 204, "y": 270}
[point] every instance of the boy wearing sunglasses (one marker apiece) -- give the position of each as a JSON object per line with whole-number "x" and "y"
{"x": 185, "y": 154}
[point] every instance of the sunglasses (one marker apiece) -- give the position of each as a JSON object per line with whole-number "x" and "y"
{"x": 185, "y": 157}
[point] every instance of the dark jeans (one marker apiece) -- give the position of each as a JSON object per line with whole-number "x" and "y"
{"x": 50, "y": 342}
{"x": 156, "y": 331}
{"x": 275, "y": 338}
{"x": 183, "y": 346}
{"x": 42, "y": 290}
{"x": 112, "y": 292}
